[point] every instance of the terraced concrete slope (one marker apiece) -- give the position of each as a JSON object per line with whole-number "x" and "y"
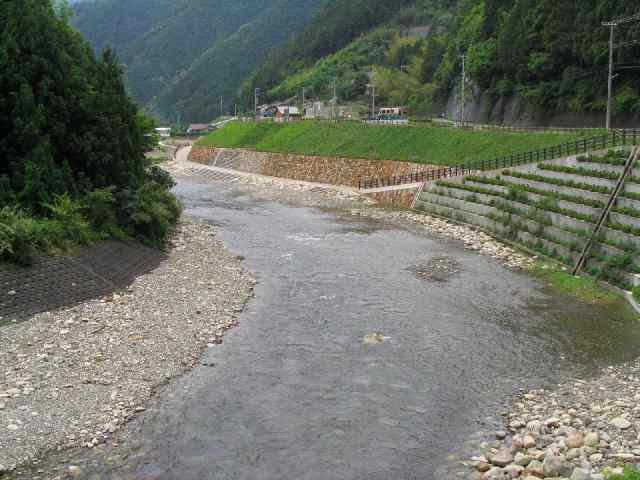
{"x": 552, "y": 208}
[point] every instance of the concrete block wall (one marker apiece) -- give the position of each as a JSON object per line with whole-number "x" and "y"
{"x": 541, "y": 220}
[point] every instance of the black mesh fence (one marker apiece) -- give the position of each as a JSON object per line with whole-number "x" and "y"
{"x": 56, "y": 282}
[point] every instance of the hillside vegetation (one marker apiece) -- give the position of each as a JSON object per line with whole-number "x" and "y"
{"x": 180, "y": 56}
{"x": 551, "y": 54}
{"x": 72, "y": 142}
{"x": 424, "y": 144}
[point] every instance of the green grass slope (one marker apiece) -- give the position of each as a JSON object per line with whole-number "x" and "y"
{"x": 425, "y": 144}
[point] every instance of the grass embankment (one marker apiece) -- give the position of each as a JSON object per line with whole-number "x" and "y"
{"x": 586, "y": 289}
{"x": 424, "y": 144}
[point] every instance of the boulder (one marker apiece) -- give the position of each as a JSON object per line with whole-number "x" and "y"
{"x": 557, "y": 466}
{"x": 575, "y": 440}
{"x": 580, "y": 474}
{"x": 522, "y": 459}
{"x": 621, "y": 423}
{"x": 514, "y": 470}
{"x": 535, "y": 469}
{"x": 502, "y": 458}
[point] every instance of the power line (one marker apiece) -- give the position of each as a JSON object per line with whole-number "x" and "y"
{"x": 627, "y": 44}
{"x": 612, "y": 25}
{"x": 620, "y": 21}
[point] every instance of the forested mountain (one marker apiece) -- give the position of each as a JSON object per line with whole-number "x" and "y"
{"x": 181, "y": 55}
{"x": 552, "y": 55}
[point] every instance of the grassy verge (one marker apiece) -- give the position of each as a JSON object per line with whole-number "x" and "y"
{"x": 586, "y": 289}
{"x": 424, "y": 144}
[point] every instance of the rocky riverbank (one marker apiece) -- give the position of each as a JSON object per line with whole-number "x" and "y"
{"x": 350, "y": 201}
{"x": 72, "y": 378}
{"x": 580, "y": 430}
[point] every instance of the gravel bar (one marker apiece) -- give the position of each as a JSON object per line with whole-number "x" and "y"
{"x": 72, "y": 377}
{"x": 579, "y": 431}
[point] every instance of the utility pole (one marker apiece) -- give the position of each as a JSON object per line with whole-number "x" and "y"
{"x": 221, "y": 108}
{"x": 255, "y": 100}
{"x": 235, "y": 110}
{"x": 373, "y": 102}
{"x": 303, "y": 104}
{"x": 464, "y": 81}
{"x": 612, "y": 25}
{"x": 334, "y": 100}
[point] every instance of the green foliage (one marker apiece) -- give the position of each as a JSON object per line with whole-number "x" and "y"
{"x": 100, "y": 207}
{"x": 71, "y": 139}
{"x": 584, "y": 288}
{"x": 16, "y": 235}
{"x": 337, "y": 23}
{"x": 425, "y": 144}
{"x": 67, "y": 212}
{"x": 630, "y": 473}
{"x": 151, "y": 213}
{"x": 349, "y": 66}
{"x": 552, "y": 54}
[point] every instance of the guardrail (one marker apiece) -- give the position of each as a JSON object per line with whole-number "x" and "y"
{"x": 613, "y": 139}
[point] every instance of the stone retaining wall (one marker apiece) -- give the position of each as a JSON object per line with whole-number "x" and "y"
{"x": 396, "y": 198}
{"x": 330, "y": 170}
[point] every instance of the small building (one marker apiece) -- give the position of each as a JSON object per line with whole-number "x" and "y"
{"x": 198, "y": 128}
{"x": 163, "y": 132}
{"x": 285, "y": 113}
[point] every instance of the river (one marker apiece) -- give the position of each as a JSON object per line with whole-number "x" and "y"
{"x": 354, "y": 361}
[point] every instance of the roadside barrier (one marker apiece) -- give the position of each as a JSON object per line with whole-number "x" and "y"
{"x": 614, "y": 138}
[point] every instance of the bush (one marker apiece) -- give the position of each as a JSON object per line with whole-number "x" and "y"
{"x": 75, "y": 229}
{"x": 161, "y": 177}
{"x": 151, "y": 213}
{"x": 17, "y": 237}
{"x": 100, "y": 208}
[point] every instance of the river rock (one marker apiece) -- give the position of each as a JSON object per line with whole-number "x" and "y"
{"x": 536, "y": 469}
{"x": 556, "y": 466}
{"x": 534, "y": 426}
{"x": 528, "y": 441}
{"x": 74, "y": 471}
{"x": 552, "y": 422}
{"x": 621, "y": 423}
{"x": 502, "y": 458}
{"x": 496, "y": 473}
{"x": 575, "y": 440}
{"x": 573, "y": 453}
{"x": 514, "y": 470}
{"x": 522, "y": 459}
{"x": 592, "y": 439}
{"x": 580, "y": 474}
{"x": 596, "y": 457}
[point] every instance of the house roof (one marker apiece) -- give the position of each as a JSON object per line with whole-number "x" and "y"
{"x": 199, "y": 126}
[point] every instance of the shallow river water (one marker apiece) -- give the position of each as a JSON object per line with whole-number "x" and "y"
{"x": 349, "y": 363}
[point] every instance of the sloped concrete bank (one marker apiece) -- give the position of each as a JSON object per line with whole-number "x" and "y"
{"x": 73, "y": 377}
{"x": 552, "y": 208}
{"x": 52, "y": 282}
{"x": 308, "y": 168}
